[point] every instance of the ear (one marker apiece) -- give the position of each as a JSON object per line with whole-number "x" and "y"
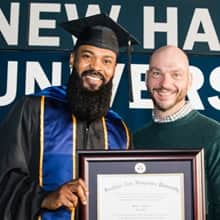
{"x": 71, "y": 59}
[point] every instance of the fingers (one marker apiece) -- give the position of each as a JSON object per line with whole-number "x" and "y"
{"x": 79, "y": 188}
{"x": 71, "y": 200}
{"x": 67, "y": 195}
{"x": 63, "y": 196}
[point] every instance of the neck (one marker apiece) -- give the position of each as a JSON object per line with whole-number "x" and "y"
{"x": 161, "y": 114}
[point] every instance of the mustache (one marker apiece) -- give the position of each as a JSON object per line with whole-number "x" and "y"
{"x": 92, "y": 72}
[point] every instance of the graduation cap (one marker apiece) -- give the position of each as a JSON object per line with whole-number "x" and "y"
{"x": 100, "y": 31}
{"x": 103, "y": 32}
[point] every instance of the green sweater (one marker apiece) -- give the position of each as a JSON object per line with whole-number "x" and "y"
{"x": 193, "y": 131}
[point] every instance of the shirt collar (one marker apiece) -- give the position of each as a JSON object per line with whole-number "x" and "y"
{"x": 185, "y": 110}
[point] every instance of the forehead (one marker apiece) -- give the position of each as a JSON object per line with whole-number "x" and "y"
{"x": 169, "y": 59}
{"x": 96, "y": 51}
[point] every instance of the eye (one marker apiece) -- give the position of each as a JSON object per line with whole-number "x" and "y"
{"x": 86, "y": 55}
{"x": 107, "y": 61}
{"x": 176, "y": 75}
{"x": 155, "y": 73}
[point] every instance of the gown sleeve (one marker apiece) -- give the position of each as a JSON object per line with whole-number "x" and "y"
{"x": 20, "y": 194}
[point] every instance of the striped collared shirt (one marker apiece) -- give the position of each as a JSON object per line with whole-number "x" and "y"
{"x": 185, "y": 110}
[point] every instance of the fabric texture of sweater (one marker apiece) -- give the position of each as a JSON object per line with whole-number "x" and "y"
{"x": 192, "y": 131}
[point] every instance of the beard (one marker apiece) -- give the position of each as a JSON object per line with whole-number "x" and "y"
{"x": 85, "y": 104}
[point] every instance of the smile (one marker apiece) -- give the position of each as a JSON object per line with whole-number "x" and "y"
{"x": 96, "y": 78}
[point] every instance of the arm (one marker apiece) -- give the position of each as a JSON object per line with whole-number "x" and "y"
{"x": 212, "y": 157}
{"x": 20, "y": 194}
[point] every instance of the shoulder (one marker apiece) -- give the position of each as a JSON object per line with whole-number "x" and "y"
{"x": 27, "y": 100}
{"x": 112, "y": 115}
{"x": 23, "y": 116}
{"x": 144, "y": 129}
{"x": 207, "y": 119}
{"x": 207, "y": 122}
{"x": 24, "y": 106}
{"x": 54, "y": 92}
{"x": 141, "y": 135}
{"x": 114, "y": 119}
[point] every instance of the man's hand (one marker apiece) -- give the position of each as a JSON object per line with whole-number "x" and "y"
{"x": 67, "y": 195}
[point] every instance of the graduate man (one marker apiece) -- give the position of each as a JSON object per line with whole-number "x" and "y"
{"x": 42, "y": 132}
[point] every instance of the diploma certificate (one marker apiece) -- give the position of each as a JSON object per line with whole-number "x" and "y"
{"x": 150, "y": 184}
{"x": 140, "y": 197}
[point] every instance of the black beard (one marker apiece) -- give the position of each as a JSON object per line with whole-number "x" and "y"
{"x": 85, "y": 104}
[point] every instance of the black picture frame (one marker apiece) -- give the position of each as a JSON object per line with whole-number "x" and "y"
{"x": 190, "y": 162}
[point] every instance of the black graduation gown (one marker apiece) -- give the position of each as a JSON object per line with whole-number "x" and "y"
{"x": 20, "y": 192}
{"x": 19, "y": 154}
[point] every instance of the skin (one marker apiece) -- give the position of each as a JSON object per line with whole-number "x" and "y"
{"x": 100, "y": 60}
{"x": 103, "y": 61}
{"x": 67, "y": 195}
{"x": 168, "y": 80}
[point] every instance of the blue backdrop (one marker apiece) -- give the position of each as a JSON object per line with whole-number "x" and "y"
{"x": 34, "y": 50}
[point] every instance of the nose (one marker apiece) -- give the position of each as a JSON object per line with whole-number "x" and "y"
{"x": 96, "y": 64}
{"x": 165, "y": 80}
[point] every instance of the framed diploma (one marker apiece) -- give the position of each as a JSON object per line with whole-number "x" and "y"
{"x": 143, "y": 184}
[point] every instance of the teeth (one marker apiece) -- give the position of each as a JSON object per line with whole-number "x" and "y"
{"x": 164, "y": 93}
{"x": 93, "y": 78}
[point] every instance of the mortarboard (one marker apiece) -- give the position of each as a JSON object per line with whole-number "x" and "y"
{"x": 100, "y": 31}
{"x": 103, "y": 32}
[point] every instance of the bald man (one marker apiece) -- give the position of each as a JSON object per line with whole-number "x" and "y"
{"x": 174, "y": 122}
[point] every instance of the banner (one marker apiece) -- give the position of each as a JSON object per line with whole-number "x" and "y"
{"x": 35, "y": 50}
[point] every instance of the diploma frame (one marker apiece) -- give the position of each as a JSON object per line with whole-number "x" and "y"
{"x": 190, "y": 162}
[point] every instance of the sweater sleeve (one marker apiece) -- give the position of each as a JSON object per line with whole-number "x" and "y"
{"x": 21, "y": 195}
{"x": 213, "y": 180}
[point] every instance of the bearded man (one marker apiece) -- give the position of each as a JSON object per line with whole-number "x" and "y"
{"x": 41, "y": 134}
